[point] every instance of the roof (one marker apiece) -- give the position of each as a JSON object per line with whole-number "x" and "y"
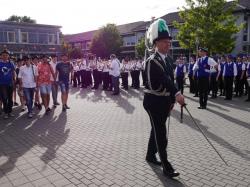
{"x": 171, "y": 17}
{"x": 84, "y": 36}
{"x": 245, "y": 3}
{"x": 123, "y": 29}
{"x": 29, "y": 24}
{"x": 129, "y": 27}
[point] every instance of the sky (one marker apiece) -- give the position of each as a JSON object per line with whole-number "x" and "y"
{"x": 77, "y": 16}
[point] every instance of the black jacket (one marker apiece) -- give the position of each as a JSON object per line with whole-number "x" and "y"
{"x": 160, "y": 77}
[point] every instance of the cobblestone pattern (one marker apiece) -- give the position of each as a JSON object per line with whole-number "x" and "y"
{"x": 102, "y": 141}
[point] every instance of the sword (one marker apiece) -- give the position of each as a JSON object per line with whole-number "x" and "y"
{"x": 181, "y": 119}
{"x": 185, "y": 106}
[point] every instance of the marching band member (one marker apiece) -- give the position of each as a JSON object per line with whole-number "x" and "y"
{"x": 137, "y": 68}
{"x": 203, "y": 66}
{"x": 82, "y": 68}
{"x": 229, "y": 74}
{"x": 125, "y": 67}
{"x": 180, "y": 71}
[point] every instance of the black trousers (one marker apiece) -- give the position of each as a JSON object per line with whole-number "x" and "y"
{"x": 248, "y": 92}
{"x": 110, "y": 84}
{"x": 228, "y": 81}
{"x": 105, "y": 78}
{"x": 221, "y": 85}
{"x": 124, "y": 76}
{"x": 132, "y": 73}
{"x": 213, "y": 85}
{"x": 196, "y": 90}
{"x": 191, "y": 82}
{"x": 6, "y": 92}
{"x": 203, "y": 84}
{"x": 180, "y": 83}
{"x": 96, "y": 78}
{"x": 75, "y": 80}
{"x": 83, "y": 78}
{"x": 245, "y": 84}
{"x": 239, "y": 86}
{"x": 88, "y": 78}
{"x": 158, "y": 108}
{"x": 143, "y": 78}
{"x": 137, "y": 79}
{"x": 78, "y": 77}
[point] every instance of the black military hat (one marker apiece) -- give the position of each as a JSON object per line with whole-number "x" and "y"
{"x": 160, "y": 30}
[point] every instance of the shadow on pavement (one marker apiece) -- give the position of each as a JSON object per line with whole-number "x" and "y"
{"x": 20, "y": 137}
{"x": 210, "y": 135}
{"x": 167, "y": 182}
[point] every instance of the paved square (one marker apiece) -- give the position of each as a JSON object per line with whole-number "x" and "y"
{"x": 102, "y": 141}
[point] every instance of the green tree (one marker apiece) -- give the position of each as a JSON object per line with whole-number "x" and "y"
{"x": 72, "y": 52}
{"x": 141, "y": 47}
{"x": 210, "y": 23}
{"x": 106, "y": 41}
{"x": 21, "y": 19}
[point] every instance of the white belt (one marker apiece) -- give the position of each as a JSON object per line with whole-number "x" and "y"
{"x": 157, "y": 93}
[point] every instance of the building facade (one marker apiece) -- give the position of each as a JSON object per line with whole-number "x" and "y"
{"x": 27, "y": 38}
{"x": 131, "y": 34}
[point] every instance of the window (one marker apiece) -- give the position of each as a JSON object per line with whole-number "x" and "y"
{"x": 129, "y": 40}
{"x": 245, "y": 37}
{"x": 24, "y": 37}
{"x": 11, "y": 37}
{"x": 78, "y": 45}
{"x": 43, "y": 38}
{"x": 88, "y": 45}
{"x": 51, "y": 39}
{"x": 174, "y": 33}
{"x": 245, "y": 30}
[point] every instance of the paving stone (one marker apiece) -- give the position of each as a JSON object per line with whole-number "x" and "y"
{"x": 102, "y": 141}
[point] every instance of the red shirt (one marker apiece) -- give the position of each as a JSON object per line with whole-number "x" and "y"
{"x": 44, "y": 73}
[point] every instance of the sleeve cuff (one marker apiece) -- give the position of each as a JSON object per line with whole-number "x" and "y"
{"x": 178, "y": 93}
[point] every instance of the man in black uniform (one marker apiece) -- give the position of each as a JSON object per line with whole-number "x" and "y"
{"x": 160, "y": 94}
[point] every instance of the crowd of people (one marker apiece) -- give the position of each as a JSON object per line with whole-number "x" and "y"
{"x": 33, "y": 80}
{"x": 226, "y": 76}
{"x": 106, "y": 73}
{"x": 36, "y": 79}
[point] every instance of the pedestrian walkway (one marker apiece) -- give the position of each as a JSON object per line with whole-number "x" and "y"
{"x": 102, "y": 141}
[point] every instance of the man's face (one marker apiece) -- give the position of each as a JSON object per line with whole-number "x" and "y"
{"x": 35, "y": 61}
{"x": 163, "y": 45}
{"x": 64, "y": 58}
{"x": 5, "y": 56}
{"x": 45, "y": 60}
{"x": 201, "y": 53}
{"x": 54, "y": 59}
{"x": 27, "y": 62}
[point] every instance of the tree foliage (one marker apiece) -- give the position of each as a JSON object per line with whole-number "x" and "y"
{"x": 140, "y": 47}
{"x": 21, "y": 19}
{"x": 106, "y": 41}
{"x": 210, "y": 23}
{"x": 72, "y": 52}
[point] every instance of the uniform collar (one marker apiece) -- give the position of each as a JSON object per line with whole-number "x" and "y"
{"x": 163, "y": 56}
